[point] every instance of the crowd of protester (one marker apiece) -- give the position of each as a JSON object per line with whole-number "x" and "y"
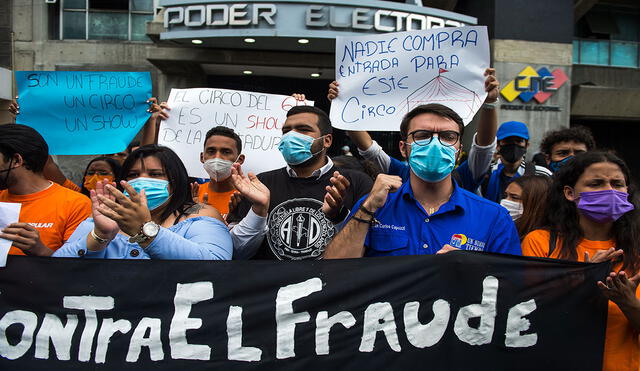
{"x": 571, "y": 202}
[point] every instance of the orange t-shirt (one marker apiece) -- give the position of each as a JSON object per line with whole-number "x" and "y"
{"x": 219, "y": 200}
{"x": 621, "y": 347}
{"x": 71, "y": 185}
{"x": 54, "y": 212}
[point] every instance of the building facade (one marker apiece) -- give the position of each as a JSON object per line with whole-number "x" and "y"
{"x": 560, "y": 62}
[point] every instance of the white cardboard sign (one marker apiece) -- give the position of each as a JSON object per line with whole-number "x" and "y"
{"x": 382, "y": 77}
{"x": 256, "y": 117}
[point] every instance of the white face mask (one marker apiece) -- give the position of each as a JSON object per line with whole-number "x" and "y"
{"x": 514, "y": 208}
{"x": 218, "y": 169}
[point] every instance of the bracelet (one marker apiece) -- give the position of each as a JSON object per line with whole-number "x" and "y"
{"x": 372, "y": 221}
{"x": 97, "y": 238}
{"x": 490, "y": 105}
{"x": 364, "y": 210}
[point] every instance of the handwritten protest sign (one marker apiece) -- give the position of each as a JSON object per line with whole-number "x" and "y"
{"x": 256, "y": 117}
{"x": 9, "y": 213}
{"x": 84, "y": 113}
{"x": 382, "y": 77}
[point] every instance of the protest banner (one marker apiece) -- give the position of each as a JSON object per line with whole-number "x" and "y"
{"x": 457, "y": 311}
{"x": 84, "y": 113}
{"x": 256, "y": 117}
{"x": 382, "y": 77}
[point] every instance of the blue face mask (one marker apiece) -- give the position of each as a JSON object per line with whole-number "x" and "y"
{"x": 432, "y": 162}
{"x": 296, "y": 147}
{"x": 157, "y": 190}
{"x": 556, "y": 165}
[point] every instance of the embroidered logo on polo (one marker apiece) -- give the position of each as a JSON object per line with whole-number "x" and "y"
{"x": 298, "y": 229}
{"x": 461, "y": 241}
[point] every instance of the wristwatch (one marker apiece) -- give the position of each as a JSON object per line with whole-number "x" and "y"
{"x": 148, "y": 230}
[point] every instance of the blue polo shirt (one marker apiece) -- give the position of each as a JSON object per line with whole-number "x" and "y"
{"x": 466, "y": 221}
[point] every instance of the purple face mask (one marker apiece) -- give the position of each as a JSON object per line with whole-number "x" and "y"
{"x": 604, "y": 206}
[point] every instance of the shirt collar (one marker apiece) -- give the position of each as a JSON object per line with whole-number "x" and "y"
{"x": 316, "y": 173}
{"x": 455, "y": 201}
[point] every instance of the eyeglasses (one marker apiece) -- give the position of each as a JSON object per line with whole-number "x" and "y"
{"x": 446, "y": 138}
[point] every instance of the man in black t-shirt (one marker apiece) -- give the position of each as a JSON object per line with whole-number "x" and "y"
{"x": 304, "y": 200}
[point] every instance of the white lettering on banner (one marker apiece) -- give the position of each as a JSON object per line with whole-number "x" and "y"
{"x": 52, "y": 331}
{"x": 286, "y": 318}
{"x": 152, "y": 342}
{"x": 90, "y": 305}
{"x": 186, "y": 296}
{"x": 378, "y": 317}
{"x": 257, "y": 119}
{"x": 382, "y": 77}
{"x": 235, "y": 350}
{"x": 486, "y": 311}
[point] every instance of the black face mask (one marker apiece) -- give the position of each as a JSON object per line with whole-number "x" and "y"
{"x": 512, "y": 152}
{"x": 4, "y": 180}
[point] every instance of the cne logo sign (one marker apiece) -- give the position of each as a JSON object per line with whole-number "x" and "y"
{"x": 531, "y": 84}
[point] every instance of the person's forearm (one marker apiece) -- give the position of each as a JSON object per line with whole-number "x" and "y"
{"x": 632, "y": 312}
{"x": 487, "y": 126}
{"x": 149, "y": 132}
{"x": 349, "y": 243}
{"x": 361, "y": 139}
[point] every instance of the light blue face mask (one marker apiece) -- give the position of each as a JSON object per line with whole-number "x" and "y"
{"x": 432, "y": 162}
{"x": 157, "y": 190}
{"x": 296, "y": 147}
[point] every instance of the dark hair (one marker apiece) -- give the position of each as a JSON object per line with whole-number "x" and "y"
{"x": 534, "y": 195}
{"x": 356, "y": 164}
{"x": 436, "y": 109}
{"x": 26, "y": 142}
{"x": 324, "y": 124}
{"x": 135, "y": 143}
{"x": 181, "y": 198}
{"x": 113, "y": 164}
{"x": 579, "y": 134}
{"x": 225, "y": 132}
{"x": 562, "y": 215}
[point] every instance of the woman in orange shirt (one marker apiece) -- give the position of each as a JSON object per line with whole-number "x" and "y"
{"x": 592, "y": 215}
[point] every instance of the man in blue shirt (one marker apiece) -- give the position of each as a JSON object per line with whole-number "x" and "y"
{"x": 513, "y": 141}
{"x": 429, "y": 213}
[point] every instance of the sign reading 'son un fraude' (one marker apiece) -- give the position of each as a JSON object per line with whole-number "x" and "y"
{"x": 382, "y": 77}
{"x": 84, "y": 113}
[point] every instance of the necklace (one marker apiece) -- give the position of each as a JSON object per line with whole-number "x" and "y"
{"x": 432, "y": 210}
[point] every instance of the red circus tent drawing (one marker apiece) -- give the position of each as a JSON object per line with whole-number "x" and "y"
{"x": 442, "y": 90}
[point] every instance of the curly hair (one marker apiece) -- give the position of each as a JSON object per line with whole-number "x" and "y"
{"x": 562, "y": 214}
{"x": 578, "y": 134}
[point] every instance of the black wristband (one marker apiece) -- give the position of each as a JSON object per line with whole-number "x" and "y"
{"x": 361, "y": 220}
{"x": 364, "y": 210}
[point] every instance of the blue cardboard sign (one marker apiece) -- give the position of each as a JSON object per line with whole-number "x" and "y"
{"x": 84, "y": 113}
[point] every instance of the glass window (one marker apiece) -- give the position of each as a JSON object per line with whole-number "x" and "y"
{"x": 74, "y": 26}
{"x": 594, "y": 52}
{"x": 624, "y": 54}
{"x": 142, "y": 5}
{"x": 108, "y": 26}
{"x": 139, "y": 26}
{"x": 109, "y": 4}
{"x": 576, "y": 51}
{"x": 75, "y": 4}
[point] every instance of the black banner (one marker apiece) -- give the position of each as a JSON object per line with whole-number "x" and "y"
{"x": 458, "y": 311}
